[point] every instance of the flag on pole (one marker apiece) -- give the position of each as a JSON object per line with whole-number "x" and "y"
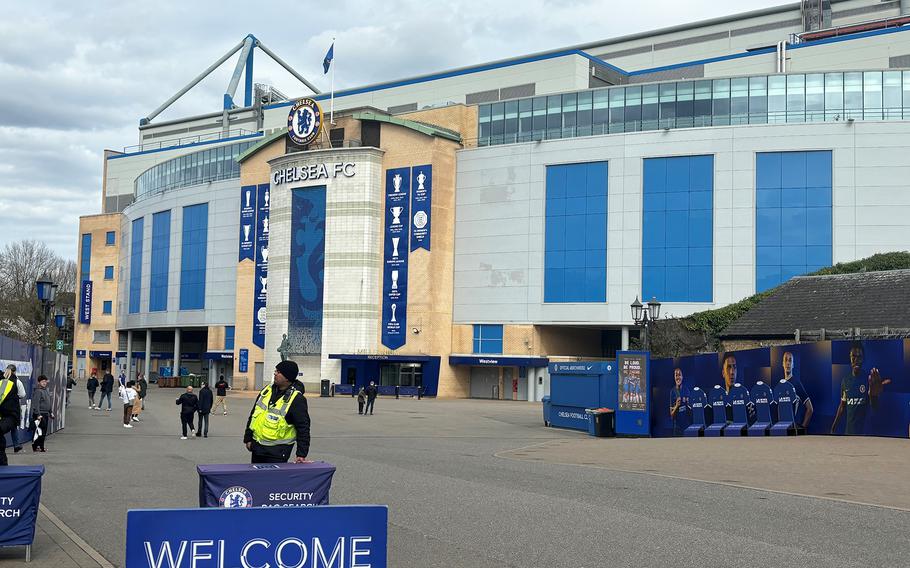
{"x": 329, "y": 56}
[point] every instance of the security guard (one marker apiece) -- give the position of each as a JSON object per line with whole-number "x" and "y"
{"x": 10, "y": 413}
{"x": 278, "y": 419}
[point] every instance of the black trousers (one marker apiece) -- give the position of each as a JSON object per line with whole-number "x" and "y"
{"x": 359, "y": 407}
{"x": 203, "y": 424}
{"x": 186, "y": 419}
{"x": 370, "y": 402}
{"x": 259, "y": 458}
{"x": 3, "y": 460}
{"x": 45, "y": 424}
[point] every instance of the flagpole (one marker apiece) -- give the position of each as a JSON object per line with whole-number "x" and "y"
{"x": 332, "y": 111}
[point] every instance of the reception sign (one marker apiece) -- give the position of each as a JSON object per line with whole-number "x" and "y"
{"x": 395, "y": 258}
{"x": 422, "y": 183}
{"x": 261, "y": 272}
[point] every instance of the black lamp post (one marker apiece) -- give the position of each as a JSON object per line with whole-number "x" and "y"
{"x": 47, "y": 295}
{"x": 644, "y": 316}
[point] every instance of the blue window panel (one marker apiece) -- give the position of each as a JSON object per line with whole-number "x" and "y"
{"x": 792, "y": 197}
{"x": 655, "y": 229}
{"x": 575, "y": 258}
{"x": 597, "y": 178}
{"x": 766, "y": 277}
{"x": 107, "y": 307}
{"x": 677, "y": 284}
{"x": 160, "y": 261}
{"x": 554, "y": 288}
{"x": 701, "y": 231}
{"x": 576, "y": 180}
{"x": 576, "y": 205}
{"x": 555, "y": 258}
{"x": 596, "y": 205}
{"x": 138, "y": 226}
{"x": 596, "y": 232}
{"x": 793, "y": 169}
{"x": 767, "y": 227}
{"x": 819, "y": 169}
{"x": 677, "y": 256}
{"x": 110, "y": 238}
{"x": 595, "y": 259}
{"x": 677, "y": 201}
{"x": 701, "y": 173}
{"x": 654, "y": 202}
{"x": 700, "y": 284}
{"x": 556, "y": 206}
{"x": 818, "y": 197}
{"x": 768, "y": 256}
{"x": 86, "y": 257}
{"x": 793, "y": 255}
{"x": 477, "y": 348}
{"x": 193, "y": 256}
{"x": 108, "y": 272}
{"x": 491, "y": 332}
{"x": 818, "y": 257}
{"x": 793, "y": 226}
{"x": 575, "y": 232}
{"x": 677, "y": 174}
{"x": 765, "y": 198}
{"x": 228, "y": 337}
{"x": 677, "y": 230}
{"x": 556, "y": 182}
{"x": 788, "y": 271}
{"x": 701, "y": 256}
{"x": 654, "y": 257}
{"x": 818, "y": 226}
{"x": 575, "y": 283}
{"x": 555, "y": 233}
{"x": 701, "y": 200}
{"x": 655, "y": 175}
{"x": 595, "y": 285}
{"x": 768, "y": 170}
{"x": 653, "y": 283}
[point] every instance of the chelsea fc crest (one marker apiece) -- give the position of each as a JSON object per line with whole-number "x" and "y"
{"x": 235, "y": 497}
{"x": 304, "y": 122}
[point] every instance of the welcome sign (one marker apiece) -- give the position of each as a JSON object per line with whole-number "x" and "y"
{"x": 311, "y": 537}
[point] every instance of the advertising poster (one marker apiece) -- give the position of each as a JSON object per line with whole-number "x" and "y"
{"x": 261, "y": 273}
{"x": 247, "y": 222}
{"x": 307, "y": 270}
{"x": 633, "y": 389}
{"x": 395, "y": 258}
{"x": 421, "y": 202}
{"x": 838, "y": 387}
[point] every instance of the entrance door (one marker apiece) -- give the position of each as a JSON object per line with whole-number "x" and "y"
{"x": 485, "y": 382}
{"x": 258, "y": 371}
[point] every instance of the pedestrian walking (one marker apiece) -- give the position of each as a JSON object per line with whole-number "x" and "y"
{"x": 10, "y": 374}
{"x": 10, "y": 410}
{"x": 107, "y": 387}
{"x": 371, "y": 393}
{"x": 127, "y": 397}
{"x": 361, "y": 400}
{"x": 137, "y": 403}
{"x": 91, "y": 385}
{"x": 122, "y": 379}
{"x": 278, "y": 419}
{"x": 221, "y": 388}
{"x": 205, "y": 407}
{"x": 142, "y": 387}
{"x": 189, "y": 404}
{"x": 70, "y": 383}
{"x": 41, "y": 414}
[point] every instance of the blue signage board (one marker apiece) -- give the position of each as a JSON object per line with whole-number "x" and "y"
{"x": 80, "y": 353}
{"x": 247, "y": 222}
{"x": 261, "y": 272}
{"x": 85, "y": 302}
{"x": 244, "y": 360}
{"x": 326, "y": 537}
{"x": 421, "y": 202}
{"x": 633, "y": 415}
{"x": 395, "y": 259}
{"x": 265, "y": 485}
{"x": 20, "y": 492}
{"x": 497, "y": 361}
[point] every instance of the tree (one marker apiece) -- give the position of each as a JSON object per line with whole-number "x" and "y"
{"x": 23, "y": 263}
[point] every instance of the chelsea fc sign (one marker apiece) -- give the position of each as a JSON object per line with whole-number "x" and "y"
{"x": 304, "y": 122}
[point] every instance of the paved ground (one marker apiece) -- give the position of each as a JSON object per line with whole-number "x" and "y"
{"x": 483, "y": 483}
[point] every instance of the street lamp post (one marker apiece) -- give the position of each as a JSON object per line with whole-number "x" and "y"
{"x": 47, "y": 295}
{"x": 644, "y": 316}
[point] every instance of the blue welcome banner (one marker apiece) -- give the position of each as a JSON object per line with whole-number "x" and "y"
{"x": 85, "y": 302}
{"x": 247, "y": 222}
{"x": 422, "y": 182}
{"x": 395, "y": 259}
{"x": 321, "y": 537}
{"x": 261, "y": 273}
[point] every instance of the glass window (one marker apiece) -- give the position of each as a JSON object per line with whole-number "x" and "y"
{"x": 650, "y": 107}
{"x": 110, "y": 238}
{"x": 601, "y": 115}
{"x": 497, "y": 123}
{"x": 633, "y": 109}
{"x": 739, "y": 101}
{"x": 525, "y": 123}
{"x": 511, "y": 124}
{"x": 107, "y": 307}
{"x": 617, "y": 114}
{"x": 872, "y": 95}
{"x": 891, "y": 95}
{"x": 108, "y": 272}
{"x": 554, "y": 117}
{"x": 853, "y": 95}
{"x": 685, "y": 104}
{"x": 228, "y": 337}
{"x": 667, "y": 105}
{"x": 815, "y": 97}
{"x": 487, "y": 338}
{"x": 834, "y": 96}
{"x": 540, "y": 116}
{"x": 569, "y": 107}
{"x": 584, "y": 116}
{"x": 702, "y": 114}
{"x": 721, "y": 102}
{"x": 796, "y": 98}
{"x": 101, "y": 336}
{"x": 907, "y": 94}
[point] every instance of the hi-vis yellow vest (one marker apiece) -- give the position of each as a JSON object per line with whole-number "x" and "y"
{"x": 268, "y": 424}
{"x": 6, "y": 387}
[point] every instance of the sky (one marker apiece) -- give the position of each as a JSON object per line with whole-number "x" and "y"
{"x": 76, "y": 77}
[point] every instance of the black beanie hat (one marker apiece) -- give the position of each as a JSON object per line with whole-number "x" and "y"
{"x": 288, "y": 369}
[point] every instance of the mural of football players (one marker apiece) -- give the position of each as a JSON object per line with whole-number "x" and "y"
{"x": 804, "y": 413}
{"x": 679, "y": 404}
{"x": 859, "y": 392}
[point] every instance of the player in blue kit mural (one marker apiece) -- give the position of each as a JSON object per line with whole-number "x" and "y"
{"x": 679, "y": 404}
{"x": 858, "y": 392}
{"x": 805, "y": 410}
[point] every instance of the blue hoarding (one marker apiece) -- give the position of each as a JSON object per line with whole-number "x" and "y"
{"x": 324, "y": 537}
{"x": 244, "y": 360}
{"x": 261, "y": 272}
{"x": 307, "y": 270}
{"x": 85, "y": 302}
{"x": 20, "y": 492}
{"x": 247, "y": 222}
{"x": 395, "y": 259}
{"x": 421, "y": 206}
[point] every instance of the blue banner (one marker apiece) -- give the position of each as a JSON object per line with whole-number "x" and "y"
{"x": 85, "y": 302}
{"x": 247, "y": 222}
{"x": 244, "y": 360}
{"x": 325, "y": 537}
{"x": 265, "y": 485}
{"x": 307, "y": 270}
{"x": 395, "y": 259}
{"x": 261, "y": 272}
{"x": 20, "y": 492}
{"x": 421, "y": 205}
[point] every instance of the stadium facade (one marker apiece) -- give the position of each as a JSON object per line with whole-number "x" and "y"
{"x": 458, "y": 230}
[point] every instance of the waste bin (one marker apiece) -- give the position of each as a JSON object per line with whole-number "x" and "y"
{"x": 604, "y": 423}
{"x": 547, "y": 407}
{"x": 590, "y": 412}
{"x": 325, "y": 388}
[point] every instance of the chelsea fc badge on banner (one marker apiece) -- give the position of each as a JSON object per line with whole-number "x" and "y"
{"x": 236, "y": 497}
{"x": 304, "y": 122}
